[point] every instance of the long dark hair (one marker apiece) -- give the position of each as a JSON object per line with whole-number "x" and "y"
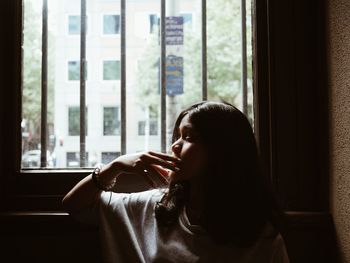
{"x": 238, "y": 201}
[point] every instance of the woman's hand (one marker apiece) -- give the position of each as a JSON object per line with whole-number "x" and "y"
{"x": 154, "y": 167}
{"x": 149, "y": 165}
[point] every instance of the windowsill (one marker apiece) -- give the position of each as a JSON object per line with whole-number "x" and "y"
{"x": 47, "y": 222}
{"x": 41, "y": 222}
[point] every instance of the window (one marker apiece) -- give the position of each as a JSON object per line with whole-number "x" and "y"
{"x": 74, "y": 70}
{"x": 111, "y": 70}
{"x": 73, "y": 159}
{"x": 142, "y": 128}
{"x": 74, "y": 121}
{"x": 132, "y": 100}
{"x": 153, "y": 127}
{"x": 153, "y": 23}
{"x": 74, "y": 25}
{"x": 107, "y": 157}
{"x": 111, "y": 123}
{"x": 111, "y": 24}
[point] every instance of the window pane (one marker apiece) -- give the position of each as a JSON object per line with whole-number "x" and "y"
{"x": 111, "y": 70}
{"x": 74, "y": 121}
{"x": 107, "y": 157}
{"x": 103, "y": 85}
{"x": 73, "y": 159}
{"x": 224, "y": 52}
{"x": 111, "y": 24}
{"x": 142, "y": 127}
{"x": 74, "y": 70}
{"x": 74, "y": 25}
{"x": 111, "y": 123}
{"x": 153, "y": 127}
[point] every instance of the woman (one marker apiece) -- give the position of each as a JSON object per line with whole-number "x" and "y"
{"x": 216, "y": 206}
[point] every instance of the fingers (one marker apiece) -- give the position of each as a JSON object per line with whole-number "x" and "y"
{"x": 154, "y": 167}
{"x": 150, "y": 173}
{"x": 166, "y": 161}
{"x": 154, "y": 171}
{"x": 166, "y": 157}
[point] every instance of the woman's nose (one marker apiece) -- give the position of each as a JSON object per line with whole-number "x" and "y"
{"x": 176, "y": 148}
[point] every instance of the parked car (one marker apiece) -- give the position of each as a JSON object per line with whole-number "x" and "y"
{"x": 32, "y": 159}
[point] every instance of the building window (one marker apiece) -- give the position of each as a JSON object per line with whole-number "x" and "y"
{"x": 142, "y": 128}
{"x": 111, "y": 70}
{"x": 74, "y": 121}
{"x": 111, "y": 123}
{"x": 152, "y": 127}
{"x": 74, "y": 70}
{"x": 74, "y": 25}
{"x": 153, "y": 23}
{"x": 107, "y": 157}
{"x": 73, "y": 159}
{"x": 111, "y": 24}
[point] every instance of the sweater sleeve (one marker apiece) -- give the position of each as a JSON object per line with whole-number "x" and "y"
{"x": 90, "y": 215}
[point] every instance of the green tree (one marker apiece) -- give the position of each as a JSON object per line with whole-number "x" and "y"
{"x": 223, "y": 56}
{"x": 31, "y": 75}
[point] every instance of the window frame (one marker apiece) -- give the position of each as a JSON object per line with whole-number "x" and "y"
{"x": 31, "y": 189}
{"x": 88, "y": 26}
{"x": 67, "y": 71}
{"x": 114, "y": 35}
{"x": 45, "y": 188}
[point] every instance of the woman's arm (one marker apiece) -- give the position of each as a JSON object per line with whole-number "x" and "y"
{"x": 84, "y": 194}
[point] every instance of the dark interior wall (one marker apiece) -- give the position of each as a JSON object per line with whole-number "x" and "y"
{"x": 298, "y": 94}
{"x": 338, "y": 40}
{"x": 297, "y": 130}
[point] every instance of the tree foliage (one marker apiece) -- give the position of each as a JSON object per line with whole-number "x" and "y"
{"x": 223, "y": 58}
{"x": 31, "y": 74}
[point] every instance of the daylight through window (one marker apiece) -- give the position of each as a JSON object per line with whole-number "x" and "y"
{"x": 143, "y": 62}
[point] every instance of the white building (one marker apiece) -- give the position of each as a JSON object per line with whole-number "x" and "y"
{"x": 103, "y": 77}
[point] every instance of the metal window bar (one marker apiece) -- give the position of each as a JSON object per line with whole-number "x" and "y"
{"x": 43, "y": 138}
{"x": 163, "y": 76}
{"x": 43, "y": 161}
{"x": 123, "y": 78}
{"x": 204, "y": 51}
{"x": 83, "y": 84}
{"x": 244, "y": 58}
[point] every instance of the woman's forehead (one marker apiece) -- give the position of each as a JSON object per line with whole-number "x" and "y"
{"x": 185, "y": 122}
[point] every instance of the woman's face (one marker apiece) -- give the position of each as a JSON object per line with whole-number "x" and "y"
{"x": 189, "y": 149}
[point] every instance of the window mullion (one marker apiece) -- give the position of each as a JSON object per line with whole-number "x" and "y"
{"x": 43, "y": 135}
{"x": 83, "y": 84}
{"x": 244, "y": 58}
{"x": 204, "y": 51}
{"x": 123, "y": 77}
{"x": 163, "y": 76}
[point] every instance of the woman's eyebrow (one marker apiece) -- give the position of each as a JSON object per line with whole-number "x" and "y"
{"x": 186, "y": 127}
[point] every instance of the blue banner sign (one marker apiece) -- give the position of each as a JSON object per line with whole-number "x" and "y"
{"x": 174, "y": 75}
{"x": 174, "y": 30}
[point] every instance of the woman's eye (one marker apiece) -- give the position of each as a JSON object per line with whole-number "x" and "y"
{"x": 188, "y": 138}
